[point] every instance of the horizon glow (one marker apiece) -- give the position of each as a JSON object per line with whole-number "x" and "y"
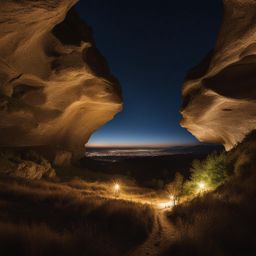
{"x": 100, "y": 139}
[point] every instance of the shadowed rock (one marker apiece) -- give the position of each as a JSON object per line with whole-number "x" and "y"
{"x": 55, "y": 87}
{"x": 220, "y": 94}
{"x": 26, "y": 165}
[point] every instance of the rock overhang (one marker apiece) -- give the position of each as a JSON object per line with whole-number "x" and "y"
{"x": 219, "y": 94}
{"x": 55, "y": 86}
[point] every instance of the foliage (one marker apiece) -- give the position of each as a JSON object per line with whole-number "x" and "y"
{"x": 211, "y": 172}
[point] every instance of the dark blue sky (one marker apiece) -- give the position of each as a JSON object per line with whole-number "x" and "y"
{"x": 149, "y": 46}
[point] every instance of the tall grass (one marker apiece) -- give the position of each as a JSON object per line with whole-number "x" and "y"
{"x": 220, "y": 223}
{"x": 45, "y": 218}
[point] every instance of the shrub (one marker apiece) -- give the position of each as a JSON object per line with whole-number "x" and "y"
{"x": 207, "y": 174}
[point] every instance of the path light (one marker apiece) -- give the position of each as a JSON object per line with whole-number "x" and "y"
{"x": 172, "y": 199}
{"x": 165, "y": 205}
{"x": 116, "y": 189}
{"x": 201, "y": 186}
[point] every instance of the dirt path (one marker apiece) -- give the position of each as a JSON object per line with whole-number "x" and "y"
{"x": 160, "y": 238}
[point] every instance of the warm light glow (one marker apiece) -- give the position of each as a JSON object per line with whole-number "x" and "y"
{"x": 116, "y": 187}
{"x": 201, "y": 186}
{"x": 171, "y": 197}
{"x": 164, "y": 205}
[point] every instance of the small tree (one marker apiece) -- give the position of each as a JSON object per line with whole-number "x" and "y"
{"x": 207, "y": 174}
{"x": 175, "y": 188}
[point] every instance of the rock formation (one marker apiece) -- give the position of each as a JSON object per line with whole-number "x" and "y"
{"x": 26, "y": 165}
{"x": 55, "y": 87}
{"x": 220, "y": 94}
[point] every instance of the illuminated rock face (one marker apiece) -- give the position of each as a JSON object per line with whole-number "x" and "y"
{"x": 220, "y": 94}
{"x": 55, "y": 86}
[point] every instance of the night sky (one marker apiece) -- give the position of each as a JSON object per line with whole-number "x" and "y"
{"x": 149, "y": 46}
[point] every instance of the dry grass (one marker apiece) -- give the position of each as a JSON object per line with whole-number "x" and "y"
{"x": 46, "y": 218}
{"x": 220, "y": 223}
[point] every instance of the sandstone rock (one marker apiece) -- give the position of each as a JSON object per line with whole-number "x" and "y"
{"x": 55, "y": 86}
{"x": 62, "y": 158}
{"x": 28, "y": 165}
{"x": 220, "y": 94}
{"x": 243, "y": 156}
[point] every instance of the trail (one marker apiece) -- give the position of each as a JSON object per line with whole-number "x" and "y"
{"x": 159, "y": 239}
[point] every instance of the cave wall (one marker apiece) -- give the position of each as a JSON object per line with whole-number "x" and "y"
{"x": 55, "y": 86}
{"x": 219, "y": 94}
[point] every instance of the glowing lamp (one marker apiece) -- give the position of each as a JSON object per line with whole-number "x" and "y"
{"x": 201, "y": 187}
{"x": 171, "y": 197}
{"x": 116, "y": 187}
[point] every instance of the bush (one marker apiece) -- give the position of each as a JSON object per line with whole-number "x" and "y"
{"x": 207, "y": 174}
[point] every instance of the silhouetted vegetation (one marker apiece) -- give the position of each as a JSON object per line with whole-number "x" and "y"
{"x": 243, "y": 156}
{"x": 152, "y": 172}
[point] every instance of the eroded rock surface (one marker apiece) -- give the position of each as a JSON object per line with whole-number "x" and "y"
{"x": 55, "y": 87}
{"x": 26, "y": 165}
{"x": 220, "y": 94}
